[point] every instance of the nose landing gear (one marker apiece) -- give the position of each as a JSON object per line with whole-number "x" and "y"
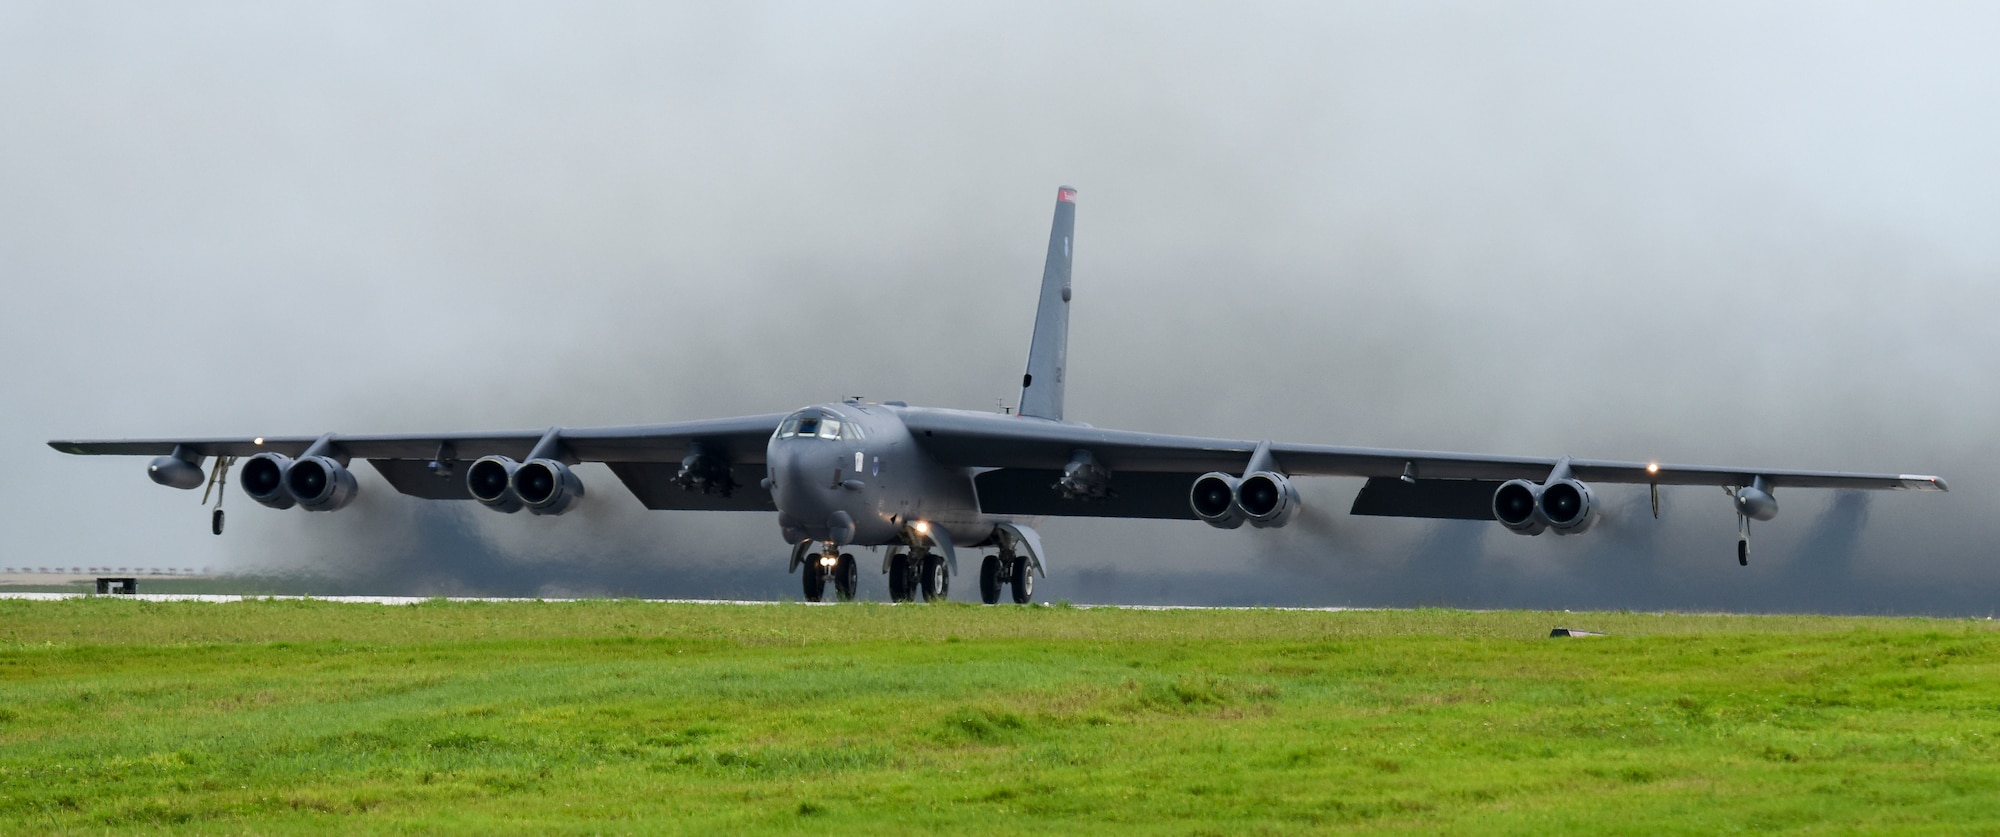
{"x": 838, "y": 568}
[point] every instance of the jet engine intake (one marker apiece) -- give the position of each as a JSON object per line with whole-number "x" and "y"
{"x": 319, "y": 483}
{"x": 1214, "y": 500}
{"x": 1568, "y": 506}
{"x": 1267, "y": 498}
{"x": 545, "y": 486}
{"x": 1517, "y": 505}
{"x": 491, "y": 481}
{"x": 263, "y": 479}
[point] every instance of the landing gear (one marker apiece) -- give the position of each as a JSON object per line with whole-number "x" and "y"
{"x": 845, "y": 575}
{"x": 937, "y": 582}
{"x": 989, "y": 580}
{"x": 218, "y": 479}
{"x": 1006, "y": 570}
{"x": 814, "y": 576}
{"x": 902, "y": 578}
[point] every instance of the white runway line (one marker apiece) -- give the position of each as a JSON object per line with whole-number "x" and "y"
{"x": 410, "y": 600}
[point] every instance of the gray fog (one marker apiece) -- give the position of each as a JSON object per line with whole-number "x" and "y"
{"x": 1718, "y": 233}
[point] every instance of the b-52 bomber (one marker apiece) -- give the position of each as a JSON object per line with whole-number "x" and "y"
{"x": 929, "y": 484}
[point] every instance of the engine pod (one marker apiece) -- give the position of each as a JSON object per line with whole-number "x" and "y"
{"x": 319, "y": 483}
{"x": 491, "y": 481}
{"x": 1214, "y": 499}
{"x": 1568, "y": 506}
{"x": 545, "y": 486}
{"x": 1267, "y": 499}
{"x": 263, "y": 479}
{"x": 1517, "y": 505}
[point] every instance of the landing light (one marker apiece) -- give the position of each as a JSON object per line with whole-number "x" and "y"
{"x": 922, "y": 528}
{"x": 1653, "y": 468}
{"x": 257, "y": 441}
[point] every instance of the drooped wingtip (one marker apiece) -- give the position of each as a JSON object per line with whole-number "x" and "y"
{"x": 1066, "y": 194}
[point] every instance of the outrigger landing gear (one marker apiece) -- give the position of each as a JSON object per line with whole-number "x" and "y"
{"x": 218, "y": 479}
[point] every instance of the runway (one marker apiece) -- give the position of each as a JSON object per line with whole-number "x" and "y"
{"x": 219, "y": 598}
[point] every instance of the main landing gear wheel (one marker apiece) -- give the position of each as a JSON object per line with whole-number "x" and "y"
{"x": 815, "y": 580}
{"x": 902, "y": 578}
{"x": 989, "y": 580}
{"x": 937, "y": 584}
{"x": 845, "y": 575}
{"x": 1023, "y": 581}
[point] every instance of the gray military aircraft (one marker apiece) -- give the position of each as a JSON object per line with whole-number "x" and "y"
{"x": 928, "y": 483}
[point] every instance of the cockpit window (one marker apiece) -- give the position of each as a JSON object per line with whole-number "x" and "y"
{"x": 808, "y": 426}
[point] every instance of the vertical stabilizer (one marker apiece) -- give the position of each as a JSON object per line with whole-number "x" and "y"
{"x": 1042, "y": 387}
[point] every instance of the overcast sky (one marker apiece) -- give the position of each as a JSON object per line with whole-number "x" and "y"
{"x": 1727, "y": 233}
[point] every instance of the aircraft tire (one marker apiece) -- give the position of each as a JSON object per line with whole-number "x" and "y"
{"x": 937, "y": 583}
{"x": 1023, "y": 581}
{"x": 846, "y": 576}
{"x": 902, "y": 580}
{"x": 815, "y": 580}
{"x": 989, "y": 580}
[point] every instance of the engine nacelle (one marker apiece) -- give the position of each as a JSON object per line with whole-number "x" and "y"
{"x": 175, "y": 472}
{"x": 263, "y": 479}
{"x": 319, "y": 483}
{"x": 546, "y": 486}
{"x": 1568, "y": 506}
{"x": 1517, "y": 505}
{"x": 1267, "y": 499}
{"x": 1214, "y": 500}
{"x": 491, "y": 481}
{"x": 1755, "y": 502}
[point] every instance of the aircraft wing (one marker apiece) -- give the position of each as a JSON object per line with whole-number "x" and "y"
{"x": 1031, "y": 453}
{"x": 645, "y": 457}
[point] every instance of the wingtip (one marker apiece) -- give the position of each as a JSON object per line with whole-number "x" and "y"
{"x": 1066, "y": 194}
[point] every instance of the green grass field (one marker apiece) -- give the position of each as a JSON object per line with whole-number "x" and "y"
{"x": 121, "y": 716}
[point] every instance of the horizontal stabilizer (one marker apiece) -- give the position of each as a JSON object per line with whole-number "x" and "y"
{"x": 1031, "y": 492}
{"x": 1436, "y": 499}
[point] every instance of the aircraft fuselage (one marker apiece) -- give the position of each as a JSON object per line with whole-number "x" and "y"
{"x": 850, "y": 473}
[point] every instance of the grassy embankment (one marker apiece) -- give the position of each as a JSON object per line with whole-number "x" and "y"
{"x": 606, "y": 717}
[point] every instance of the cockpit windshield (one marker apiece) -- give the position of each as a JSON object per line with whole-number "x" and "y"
{"x": 813, "y": 425}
